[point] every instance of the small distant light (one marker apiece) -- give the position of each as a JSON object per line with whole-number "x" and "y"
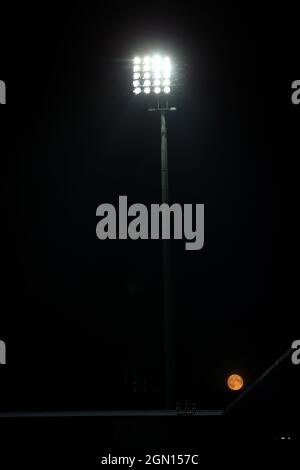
{"x": 147, "y": 83}
{"x": 147, "y": 90}
{"x": 136, "y": 76}
{"x": 137, "y": 91}
{"x": 137, "y": 60}
{"x": 157, "y": 90}
{"x": 136, "y": 83}
{"x": 157, "y": 82}
{"x": 235, "y": 382}
{"x": 167, "y": 89}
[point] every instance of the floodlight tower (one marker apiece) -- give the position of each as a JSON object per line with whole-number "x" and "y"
{"x": 152, "y": 76}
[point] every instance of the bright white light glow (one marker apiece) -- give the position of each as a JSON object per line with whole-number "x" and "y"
{"x": 152, "y": 74}
{"x": 156, "y": 59}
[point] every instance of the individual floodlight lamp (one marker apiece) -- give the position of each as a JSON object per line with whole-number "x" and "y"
{"x": 155, "y": 72}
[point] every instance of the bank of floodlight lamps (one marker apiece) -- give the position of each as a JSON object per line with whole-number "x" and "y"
{"x": 153, "y": 76}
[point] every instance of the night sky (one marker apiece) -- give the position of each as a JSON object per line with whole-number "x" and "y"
{"x": 83, "y": 317}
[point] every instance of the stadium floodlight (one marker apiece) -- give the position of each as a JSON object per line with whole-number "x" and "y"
{"x": 154, "y": 76}
{"x": 156, "y": 73}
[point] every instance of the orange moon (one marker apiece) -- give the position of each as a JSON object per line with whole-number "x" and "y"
{"x": 235, "y": 382}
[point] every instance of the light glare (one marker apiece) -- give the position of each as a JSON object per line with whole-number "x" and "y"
{"x": 156, "y": 59}
{"x": 147, "y": 90}
{"x": 136, "y": 76}
{"x": 157, "y": 90}
{"x": 147, "y": 83}
{"x": 167, "y": 89}
{"x": 136, "y": 83}
{"x": 136, "y": 60}
{"x": 137, "y": 91}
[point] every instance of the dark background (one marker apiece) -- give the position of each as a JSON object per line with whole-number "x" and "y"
{"x": 82, "y": 318}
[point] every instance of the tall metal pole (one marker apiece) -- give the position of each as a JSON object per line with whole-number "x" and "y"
{"x": 169, "y": 359}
